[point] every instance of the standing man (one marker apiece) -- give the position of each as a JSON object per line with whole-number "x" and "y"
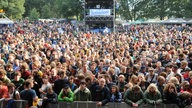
{"x": 28, "y": 93}
{"x": 82, "y": 93}
{"x": 101, "y": 93}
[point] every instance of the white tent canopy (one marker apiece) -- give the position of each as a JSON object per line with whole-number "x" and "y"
{"x": 189, "y": 22}
{"x": 174, "y": 21}
{"x": 5, "y": 20}
{"x": 152, "y": 21}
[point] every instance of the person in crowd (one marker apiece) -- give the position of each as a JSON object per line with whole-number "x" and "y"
{"x": 152, "y": 95}
{"x": 101, "y": 93}
{"x": 13, "y": 93}
{"x": 61, "y": 81}
{"x": 66, "y": 94}
{"x": 121, "y": 83}
{"x": 72, "y": 85}
{"x": 134, "y": 80}
{"x": 142, "y": 82}
{"x": 29, "y": 94}
{"x": 175, "y": 81}
{"x": 24, "y": 69}
{"x": 134, "y": 96}
{"x": 3, "y": 77}
{"x": 45, "y": 86}
{"x": 116, "y": 96}
{"x": 184, "y": 99}
{"x": 50, "y": 97}
{"x": 3, "y": 90}
{"x": 161, "y": 84}
{"x": 9, "y": 71}
{"x": 18, "y": 81}
{"x": 82, "y": 93}
{"x": 170, "y": 94}
{"x": 151, "y": 77}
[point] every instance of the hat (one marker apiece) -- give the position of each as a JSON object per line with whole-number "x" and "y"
{"x": 175, "y": 66}
{"x": 151, "y": 69}
{"x": 83, "y": 81}
{"x": 143, "y": 67}
{"x": 66, "y": 86}
{"x": 168, "y": 65}
{"x": 187, "y": 69}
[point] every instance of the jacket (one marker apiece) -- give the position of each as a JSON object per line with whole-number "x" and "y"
{"x": 84, "y": 95}
{"x": 170, "y": 98}
{"x": 151, "y": 98}
{"x": 117, "y": 97}
{"x": 131, "y": 97}
{"x": 101, "y": 94}
{"x": 66, "y": 97}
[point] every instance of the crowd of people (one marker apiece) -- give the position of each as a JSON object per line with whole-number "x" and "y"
{"x": 146, "y": 64}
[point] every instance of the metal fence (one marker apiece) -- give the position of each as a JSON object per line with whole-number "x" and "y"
{"x": 86, "y": 104}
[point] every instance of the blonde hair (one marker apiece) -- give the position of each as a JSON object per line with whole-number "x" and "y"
{"x": 142, "y": 76}
{"x": 174, "y": 80}
{"x": 168, "y": 86}
{"x": 152, "y": 86}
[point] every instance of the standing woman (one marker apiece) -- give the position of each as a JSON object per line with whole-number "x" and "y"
{"x": 152, "y": 95}
{"x": 170, "y": 94}
{"x": 116, "y": 96}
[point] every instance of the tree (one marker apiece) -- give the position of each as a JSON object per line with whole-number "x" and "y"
{"x": 129, "y": 9}
{"x": 68, "y": 8}
{"x": 34, "y": 15}
{"x": 13, "y": 8}
{"x": 45, "y": 12}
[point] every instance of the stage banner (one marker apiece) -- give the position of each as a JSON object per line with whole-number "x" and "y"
{"x": 96, "y": 12}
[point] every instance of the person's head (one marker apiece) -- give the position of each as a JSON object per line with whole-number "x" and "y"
{"x": 174, "y": 68}
{"x": 11, "y": 87}
{"x": 28, "y": 83}
{"x": 9, "y": 67}
{"x": 185, "y": 85}
{"x": 128, "y": 86}
{"x": 66, "y": 88}
{"x": 54, "y": 72}
{"x": 121, "y": 78}
{"x": 161, "y": 80}
{"x": 141, "y": 77}
{"x": 179, "y": 77}
{"x": 184, "y": 64}
{"x": 2, "y": 73}
{"x": 174, "y": 80}
{"x": 190, "y": 74}
{"x": 151, "y": 71}
{"x": 114, "y": 89}
{"x": 17, "y": 76}
{"x": 50, "y": 90}
{"x": 24, "y": 67}
{"x": 134, "y": 79}
{"x": 71, "y": 79}
{"x": 45, "y": 79}
{"x": 187, "y": 70}
{"x": 152, "y": 88}
{"x": 102, "y": 82}
{"x": 82, "y": 85}
{"x": 170, "y": 87}
{"x": 136, "y": 89}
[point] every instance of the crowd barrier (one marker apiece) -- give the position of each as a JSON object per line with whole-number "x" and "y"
{"x": 86, "y": 104}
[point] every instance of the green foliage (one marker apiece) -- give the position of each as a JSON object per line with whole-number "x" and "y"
{"x": 128, "y": 9}
{"x": 45, "y": 12}
{"x": 13, "y": 8}
{"x": 134, "y": 9}
{"x": 34, "y": 14}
